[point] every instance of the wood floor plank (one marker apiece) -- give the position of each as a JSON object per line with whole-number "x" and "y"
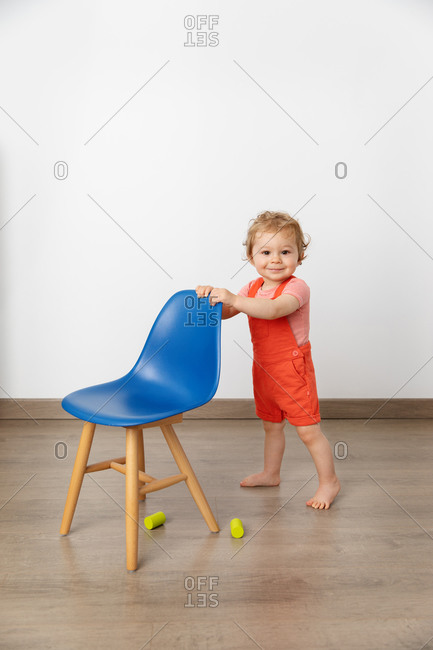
{"x": 356, "y": 576}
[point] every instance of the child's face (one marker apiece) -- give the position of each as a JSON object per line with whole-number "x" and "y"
{"x": 275, "y": 256}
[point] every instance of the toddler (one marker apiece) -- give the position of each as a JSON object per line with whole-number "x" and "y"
{"x": 277, "y": 306}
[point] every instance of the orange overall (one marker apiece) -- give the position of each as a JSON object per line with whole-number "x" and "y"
{"x": 283, "y": 373}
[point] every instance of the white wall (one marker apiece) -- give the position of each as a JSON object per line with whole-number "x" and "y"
{"x": 191, "y": 158}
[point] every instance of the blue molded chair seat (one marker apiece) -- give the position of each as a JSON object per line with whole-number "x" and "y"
{"x": 115, "y": 404}
{"x": 177, "y": 370}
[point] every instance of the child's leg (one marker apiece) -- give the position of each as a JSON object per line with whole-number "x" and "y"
{"x": 320, "y": 450}
{"x": 274, "y": 449}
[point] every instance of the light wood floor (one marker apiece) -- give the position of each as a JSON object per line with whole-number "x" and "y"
{"x": 358, "y": 576}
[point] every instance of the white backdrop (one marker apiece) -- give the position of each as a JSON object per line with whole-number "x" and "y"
{"x": 172, "y": 149}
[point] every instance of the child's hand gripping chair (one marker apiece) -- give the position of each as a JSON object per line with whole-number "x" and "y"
{"x": 178, "y": 370}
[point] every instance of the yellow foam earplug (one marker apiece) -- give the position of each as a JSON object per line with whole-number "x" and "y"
{"x": 155, "y": 520}
{"x": 236, "y": 528}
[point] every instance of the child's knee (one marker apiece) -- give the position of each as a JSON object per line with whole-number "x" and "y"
{"x": 309, "y": 433}
{"x": 273, "y": 427}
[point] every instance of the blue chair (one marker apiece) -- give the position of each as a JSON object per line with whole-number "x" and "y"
{"x": 178, "y": 370}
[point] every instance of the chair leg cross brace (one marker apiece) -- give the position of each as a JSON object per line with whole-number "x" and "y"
{"x": 137, "y": 482}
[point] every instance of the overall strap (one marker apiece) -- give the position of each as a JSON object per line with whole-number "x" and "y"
{"x": 281, "y": 287}
{"x": 258, "y": 283}
{"x": 255, "y": 287}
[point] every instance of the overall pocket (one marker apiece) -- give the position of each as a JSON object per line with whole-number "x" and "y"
{"x": 298, "y": 365}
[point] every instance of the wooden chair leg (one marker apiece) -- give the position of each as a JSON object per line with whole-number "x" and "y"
{"x": 192, "y": 482}
{"x": 131, "y": 498}
{"x": 141, "y": 464}
{"x": 77, "y": 476}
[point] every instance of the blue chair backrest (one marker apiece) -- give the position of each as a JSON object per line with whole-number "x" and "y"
{"x": 182, "y": 354}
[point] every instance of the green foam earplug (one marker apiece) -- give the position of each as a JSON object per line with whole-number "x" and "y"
{"x": 236, "y": 528}
{"x": 155, "y": 520}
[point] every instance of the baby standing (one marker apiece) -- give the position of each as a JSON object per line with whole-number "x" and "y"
{"x": 283, "y": 372}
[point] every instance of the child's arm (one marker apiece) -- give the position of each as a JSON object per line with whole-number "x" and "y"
{"x": 228, "y": 312}
{"x": 256, "y": 307}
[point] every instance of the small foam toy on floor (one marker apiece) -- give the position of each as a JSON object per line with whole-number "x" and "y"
{"x": 155, "y": 520}
{"x": 236, "y": 528}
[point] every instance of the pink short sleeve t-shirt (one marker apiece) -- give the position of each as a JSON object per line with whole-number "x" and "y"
{"x": 299, "y": 320}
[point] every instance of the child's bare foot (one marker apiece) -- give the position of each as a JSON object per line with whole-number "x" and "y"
{"x": 262, "y": 478}
{"x": 325, "y": 495}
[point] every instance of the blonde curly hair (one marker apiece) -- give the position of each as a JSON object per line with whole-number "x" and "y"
{"x": 275, "y": 222}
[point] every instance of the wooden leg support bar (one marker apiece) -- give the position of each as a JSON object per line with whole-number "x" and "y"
{"x": 142, "y": 477}
{"x": 162, "y": 483}
{"x": 104, "y": 464}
